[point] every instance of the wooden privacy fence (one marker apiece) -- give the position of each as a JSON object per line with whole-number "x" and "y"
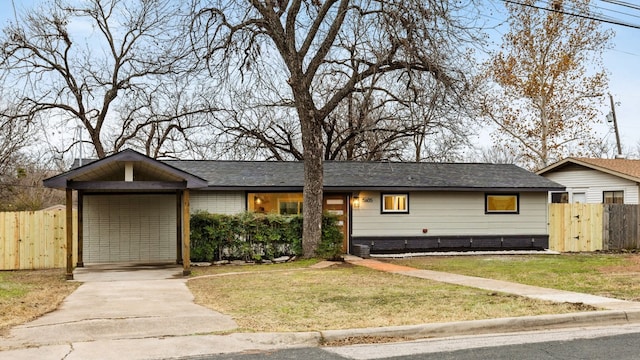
{"x": 593, "y": 227}
{"x": 621, "y": 227}
{"x": 34, "y": 239}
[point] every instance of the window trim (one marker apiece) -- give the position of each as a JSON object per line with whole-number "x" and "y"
{"x": 612, "y": 191}
{"x": 552, "y": 193}
{"x": 384, "y": 211}
{"x": 490, "y": 212}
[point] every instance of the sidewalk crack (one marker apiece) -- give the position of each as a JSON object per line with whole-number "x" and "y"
{"x": 71, "y": 349}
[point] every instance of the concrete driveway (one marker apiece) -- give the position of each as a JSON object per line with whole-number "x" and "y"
{"x": 121, "y": 301}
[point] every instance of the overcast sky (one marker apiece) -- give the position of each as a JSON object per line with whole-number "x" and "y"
{"x": 622, "y": 61}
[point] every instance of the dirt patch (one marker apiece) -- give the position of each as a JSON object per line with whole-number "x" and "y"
{"x": 365, "y": 340}
{"x": 632, "y": 267}
{"x": 382, "y": 266}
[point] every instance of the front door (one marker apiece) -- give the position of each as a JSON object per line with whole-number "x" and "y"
{"x": 337, "y": 204}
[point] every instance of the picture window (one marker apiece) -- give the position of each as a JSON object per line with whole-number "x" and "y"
{"x": 502, "y": 204}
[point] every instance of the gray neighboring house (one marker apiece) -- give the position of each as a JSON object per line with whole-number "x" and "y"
{"x": 134, "y": 208}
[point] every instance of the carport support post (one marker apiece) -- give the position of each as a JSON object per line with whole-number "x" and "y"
{"x": 80, "y": 234}
{"x": 69, "y": 211}
{"x": 179, "y": 227}
{"x": 186, "y": 229}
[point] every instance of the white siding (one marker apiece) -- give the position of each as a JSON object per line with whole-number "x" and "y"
{"x": 593, "y": 183}
{"x": 217, "y": 202}
{"x": 122, "y": 228}
{"x": 449, "y": 213}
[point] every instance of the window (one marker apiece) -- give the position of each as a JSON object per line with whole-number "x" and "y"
{"x": 560, "y": 198}
{"x": 502, "y": 204}
{"x": 613, "y": 197}
{"x": 395, "y": 203}
{"x": 276, "y": 203}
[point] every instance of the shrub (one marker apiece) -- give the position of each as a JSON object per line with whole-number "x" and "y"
{"x": 331, "y": 244}
{"x": 256, "y": 237}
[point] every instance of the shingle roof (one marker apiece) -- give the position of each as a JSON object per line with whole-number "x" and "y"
{"x": 626, "y": 168}
{"x": 345, "y": 175}
{"x": 340, "y": 175}
{"x": 622, "y": 166}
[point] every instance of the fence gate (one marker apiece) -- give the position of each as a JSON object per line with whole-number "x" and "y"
{"x": 575, "y": 227}
{"x": 621, "y": 227}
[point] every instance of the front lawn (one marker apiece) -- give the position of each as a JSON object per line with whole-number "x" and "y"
{"x": 611, "y": 275}
{"x": 347, "y": 296}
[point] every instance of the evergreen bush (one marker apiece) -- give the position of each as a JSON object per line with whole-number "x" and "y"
{"x": 257, "y": 237}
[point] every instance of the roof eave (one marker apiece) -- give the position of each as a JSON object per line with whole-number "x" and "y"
{"x": 385, "y": 188}
{"x": 563, "y": 162}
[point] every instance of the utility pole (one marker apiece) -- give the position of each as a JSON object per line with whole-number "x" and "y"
{"x": 612, "y": 117}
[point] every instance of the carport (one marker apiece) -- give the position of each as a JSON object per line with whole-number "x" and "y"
{"x": 131, "y": 208}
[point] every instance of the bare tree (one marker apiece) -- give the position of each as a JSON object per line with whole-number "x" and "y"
{"x": 15, "y": 134}
{"x": 385, "y": 121}
{"x": 21, "y": 186}
{"x": 634, "y": 153}
{"x": 496, "y": 155}
{"x": 322, "y": 52}
{"x": 107, "y": 65}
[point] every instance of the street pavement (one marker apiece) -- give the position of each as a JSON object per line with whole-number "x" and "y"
{"x": 147, "y": 312}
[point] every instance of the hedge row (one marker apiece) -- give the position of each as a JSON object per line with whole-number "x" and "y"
{"x": 256, "y": 237}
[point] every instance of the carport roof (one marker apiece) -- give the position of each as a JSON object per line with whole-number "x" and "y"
{"x": 109, "y": 174}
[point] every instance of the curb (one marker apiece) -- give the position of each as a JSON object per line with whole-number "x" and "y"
{"x": 203, "y": 345}
{"x": 489, "y": 326}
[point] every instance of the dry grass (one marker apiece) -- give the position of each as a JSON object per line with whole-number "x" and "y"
{"x": 352, "y": 297}
{"x": 223, "y": 269}
{"x": 28, "y": 294}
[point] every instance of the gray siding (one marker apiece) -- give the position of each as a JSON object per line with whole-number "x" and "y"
{"x": 449, "y": 213}
{"x": 122, "y": 228}
{"x": 217, "y": 202}
{"x": 593, "y": 183}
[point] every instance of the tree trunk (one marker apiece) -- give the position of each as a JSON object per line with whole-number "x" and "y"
{"x": 313, "y": 175}
{"x": 97, "y": 144}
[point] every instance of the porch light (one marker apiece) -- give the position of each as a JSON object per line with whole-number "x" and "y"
{"x": 258, "y": 200}
{"x": 356, "y": 202}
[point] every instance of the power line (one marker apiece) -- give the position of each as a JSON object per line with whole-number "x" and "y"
{"x": 559, "y": 11}
{"x": 622, "y": 3}
{"x": 616, "y": 11}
